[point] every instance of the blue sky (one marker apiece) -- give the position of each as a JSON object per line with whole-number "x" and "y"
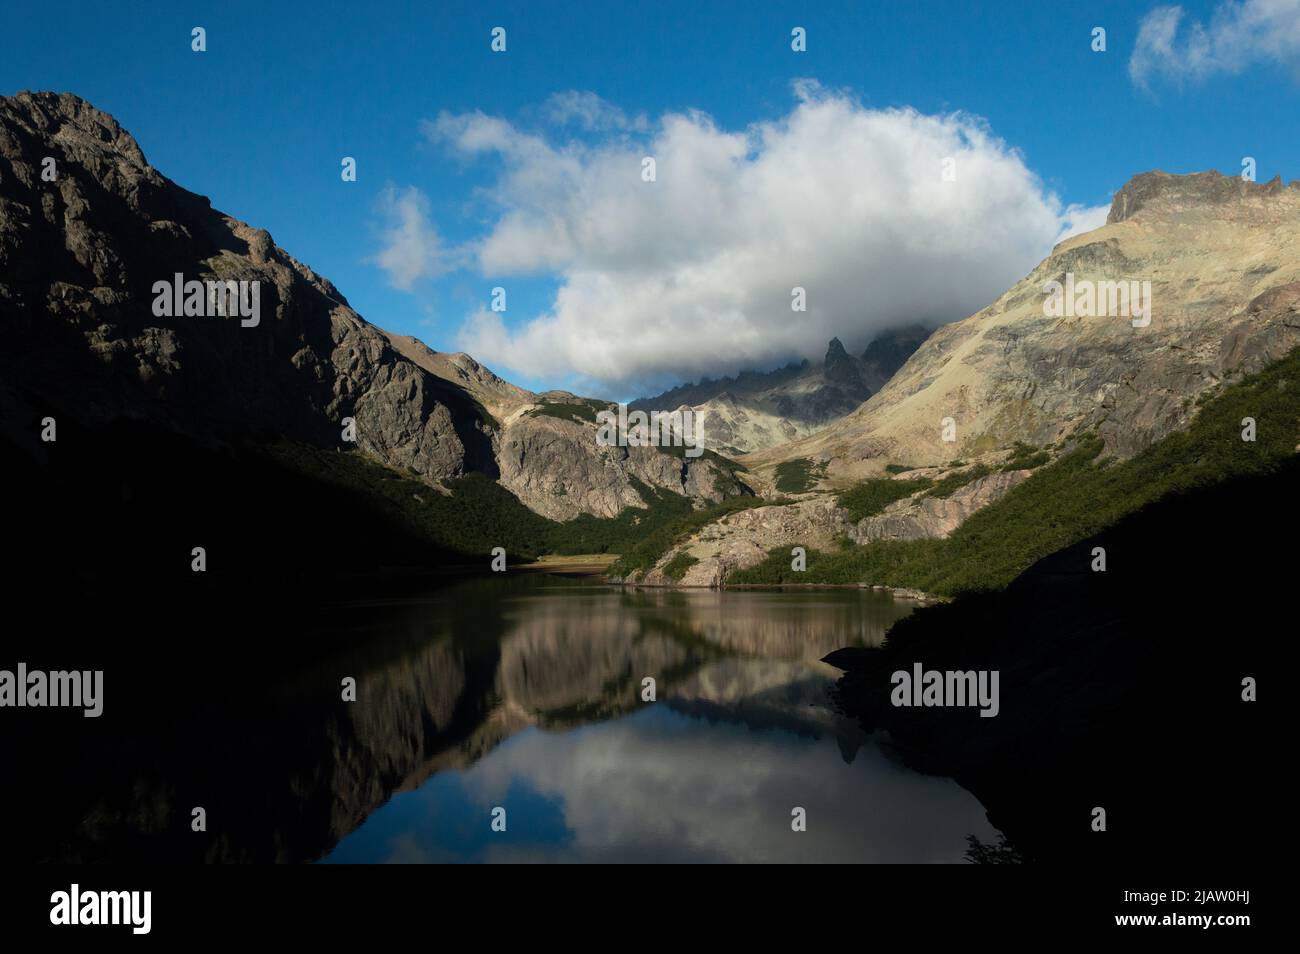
{"x": 260, "y": 121}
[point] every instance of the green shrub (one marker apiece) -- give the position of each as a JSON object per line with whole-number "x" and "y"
{"x": 1026, "y": 457}
{"x": 796, "y": 476}
{"x": 871, "y": 496}
{"x": 676, "y": 568}
{"x": 955, "y": 481}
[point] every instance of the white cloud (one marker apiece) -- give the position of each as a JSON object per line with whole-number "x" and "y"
{"x": 630, "y": 788}
{"x": 692, "y": 273}
{"x": 411, "y": 248}
{"x": 1083, "y": 218}
{"x": 1239, "y": 35}
{"x": 590, "y": 112}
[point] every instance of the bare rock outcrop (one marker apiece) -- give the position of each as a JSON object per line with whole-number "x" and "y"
{"x": 742, "y": 539}
{"x": 557, "y": 467}
{"x": 922, "y": 517}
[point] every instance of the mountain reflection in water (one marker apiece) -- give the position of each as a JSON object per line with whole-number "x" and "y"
{"x": 524, "y": 692}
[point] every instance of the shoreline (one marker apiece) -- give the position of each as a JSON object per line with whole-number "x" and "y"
{"x": 582, "y": 564}
{"x": 898, "y": 592}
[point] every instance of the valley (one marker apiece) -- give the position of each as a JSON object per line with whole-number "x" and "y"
{"x": 1026, "y": 391}
{"x": 349, "y": 486}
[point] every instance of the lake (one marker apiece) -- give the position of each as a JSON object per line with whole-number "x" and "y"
{"x": 741, "y": 733}
{"x": 515, "y": 698}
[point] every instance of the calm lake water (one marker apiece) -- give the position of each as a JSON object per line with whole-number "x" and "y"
{"x": 742, "y": 732}
{"x": 521, "y": 692}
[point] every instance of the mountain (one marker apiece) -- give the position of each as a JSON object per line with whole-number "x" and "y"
{"x": 176, "y": 430}
{"x": 494, "y": 393}
{"x": 89, "y": 233}
{"x": 79, "y": 258}
{"x": 1045, "y": 411}
{"x": 1219, "y": 254}
{"x": 757, "y": 409}
{"x": 547, "y": 455}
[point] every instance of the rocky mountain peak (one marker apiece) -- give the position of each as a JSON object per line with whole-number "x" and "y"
{"x": 68, "y": 119}
{"x": 834, "y": 352}
{"x": 842, "y": 370}
{"x": 1161, "y": 191}
{"x": 759, "y": 409}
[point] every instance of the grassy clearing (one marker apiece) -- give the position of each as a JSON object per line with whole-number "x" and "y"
{"x": 799, "y": 475}
{"x": 567, "y": 412}
{"x": 868, "y": 497}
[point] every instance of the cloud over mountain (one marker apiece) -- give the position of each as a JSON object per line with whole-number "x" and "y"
{"x": 693, "y": 272}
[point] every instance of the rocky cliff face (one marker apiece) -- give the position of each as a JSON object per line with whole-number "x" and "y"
{"x": 758, "y": 410}
{"x": 1220, "y": 257}
{"x": 79, "y": 258}
{"x": 87, "y": 227}
{"x": 549, "y": 457}
{"x": 497, "y": 395}
{"x": 557, "y": 468}
{"x": 741, "y": 540}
